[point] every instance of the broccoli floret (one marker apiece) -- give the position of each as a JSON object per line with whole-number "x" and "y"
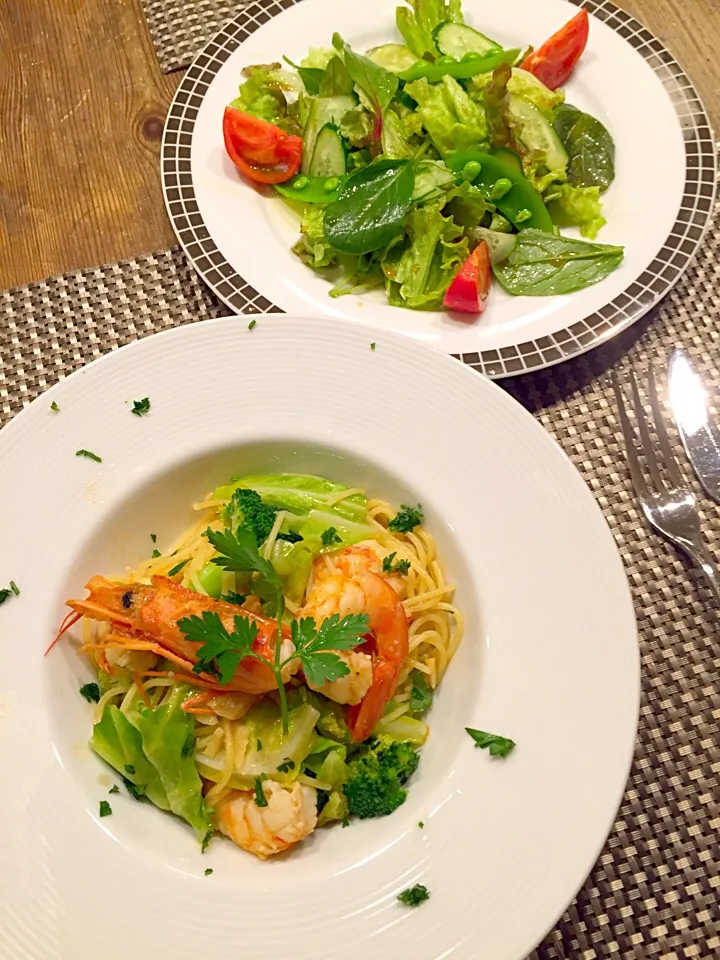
{"x": 248, "y": 509}
{"x": 377, "y": 774}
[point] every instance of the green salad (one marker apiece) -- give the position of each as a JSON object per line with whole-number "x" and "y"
{"x": 426, "y": 167}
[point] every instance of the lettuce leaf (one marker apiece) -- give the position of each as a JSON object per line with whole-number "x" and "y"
{"x": 263, "y": 94}
{"x": 312, "y": 246}
{"x": 452, "y": 120}
{"x": 521, "y": 84}
{"x": 357, "y": 127}
{"x": 318, "y": 58}
{"x": 168, "y": 741}
{"x": 119, "y": 743}
{"x": 571, "y": 206}
{"x": 419, "y": 18}
{"x": 425, "y": 268}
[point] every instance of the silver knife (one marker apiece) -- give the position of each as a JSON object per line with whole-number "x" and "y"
{"x": 700, "y": 435}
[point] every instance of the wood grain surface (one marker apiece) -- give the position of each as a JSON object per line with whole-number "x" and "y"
{"x": 82, "y": 104}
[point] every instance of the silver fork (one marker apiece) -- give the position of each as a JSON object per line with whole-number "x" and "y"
{"x": 669, "y": 506}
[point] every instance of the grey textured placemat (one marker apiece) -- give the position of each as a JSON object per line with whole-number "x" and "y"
{"x": 181, "y": 28}
{"x": 654, "y": 892}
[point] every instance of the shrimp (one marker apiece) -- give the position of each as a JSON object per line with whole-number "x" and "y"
{"x": 350, "y": 582}
{"x": 145, "y": 617}
{"x": 290, "y": 816}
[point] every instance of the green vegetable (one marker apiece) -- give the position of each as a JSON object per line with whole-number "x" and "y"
{"x": 252, "y": 324}
{"x": 500, "y": 189}
{"x": 313, "y": 247}
{"x": 232, "y": 597}
{"x": 500, "y": 245}
{"x": 405, "y": 727}
{"x": 141, "y": 407}
{"x": 310, "y": 76}
{"x": 260, "y": 798}
{"x": 378, "y": 85}
{"x": 91, "y": 692}
{"x": 406, "y": 519}
{"x": 545, "y": 159}
{"x": 286, "y": 766}
{"x": 522, "y": 84}
{"x": 369, "y": 212}
{"x": 372, "y": 346}
{"x": 590, "y": 147}
{"x": 311, "y": 189}
{"x": 320, "y": 112}
{"x": 458, "y": 40}
{"x": 263, "y": 94}
{"x": 544, "y": 265}
{"x": 153, "y": 537}
{"x": 395, "y": 144}
{"x": 89, "y": 454}
{"x": 166, "y": 733}
{"x": 336, "y": 80}
{"x": 420, "y": 273}
{"x": 377, "y": 774}
{"x": 393, "y": 57}
{"x": 453, "y": 121}
{"x": 209, "y": 580}
{"x": 54, "y": 407}
{"x": 357, "y": 127}
{"x": 576, "y": 206}
{"x": 14, "y": 587}
{"x": 414, "y": 896}
{"x": 114, "y": 789}
{"x": 330, "y": 537}
{"x": 420, "y": 18}
{"x": 520, "y": 198}
{"x": 208, "y": 871}
{"x": 421, "y": 693}
{"x": 118, "y": 742}
{"x": 495, "y": 100}
{"x": 247, "y": 510}
{"x": 155, "y": 554}
{"x": 401, "y": 566}
{"x": 498, "y": 746}
{"x": 459, "y": 69}
{"x": 432, "y": 181}
{"x": 335, "y": 808}
{"x": 177, "y": 568}
{"x": 105, "y": 808}
{"x": 300, "y": 495}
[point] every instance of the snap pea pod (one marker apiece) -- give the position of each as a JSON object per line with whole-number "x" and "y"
{"x": 312, "y": 189}
{"x": 470, "y": 65}
{"x": 506, "y": 187}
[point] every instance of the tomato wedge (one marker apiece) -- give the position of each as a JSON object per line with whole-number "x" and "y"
{"x": 469, "y": 290}
{"x": 556, "y": 59}
{"x": 260, "y": 150}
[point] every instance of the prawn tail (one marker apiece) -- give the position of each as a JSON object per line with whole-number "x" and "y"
{"x": 362, "y": 719}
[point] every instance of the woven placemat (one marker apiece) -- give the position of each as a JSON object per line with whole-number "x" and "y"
{"x": 181, "y": 28}
{"x": 654, "y": 891}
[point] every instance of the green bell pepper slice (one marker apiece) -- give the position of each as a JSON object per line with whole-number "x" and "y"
{"x": 463, "y": 69}
{"x": 521, "y": 203}
{"x": 312, "y": 189}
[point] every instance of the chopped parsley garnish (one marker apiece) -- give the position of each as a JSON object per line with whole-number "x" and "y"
{"x": 136, "y": 790}
{"x": 421, "y": 824}
{"x": 208, "y": 871}
{"x": 252, "y": 324}
{"x": 236, "y": 598}
{"x": 260, "y": 798}
{"x": 330, "y": 537}
{"x": 259, "y": 745}
{"x": 189, "y": 745}
{"x": 89, "y": 454}
{"x": 129, "y": 768}
{"x": 286, "y": 767}
{"x": 206, "y": 840}
{"x": 421, "y": 694}
{"x": 4, "y": 594}
{"x": 177, "y": 568}
{"x": 91, "y": 692}
{"x": 406, "y": 519}
{"x": 153, "y": 537}
{"x": 14, "y": 587}
{"x": 402, "y": 566}
{"x": 54, "y": 407}
{"x": 372, "y": 346}
{"x": 105, "y": 808}
{"x": 414, "y": 896}
{"x": 156, "y": 553}
{"x": 141, "y": 407}
{"x": 222, "y": 650}
{"x": 114, "y": 789}
{"x": 498, "y": 746}
{"x": 290, "y": 537}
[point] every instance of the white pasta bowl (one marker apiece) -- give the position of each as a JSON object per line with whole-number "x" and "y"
{"x": 549, "y": 657}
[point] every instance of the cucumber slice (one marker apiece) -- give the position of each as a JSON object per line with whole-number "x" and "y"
{"x": 393, "y": 57}
{"x": 500, "y": 245}
{"x": 536, "y": 133}
{"x": 457, "y": 39}
{"x": 322, "y": 110}
{"x": 328, "y": 159}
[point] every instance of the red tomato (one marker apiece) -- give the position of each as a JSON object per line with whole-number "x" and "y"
{"x": 557, "y": 57}
{"x": 469, "y": 290}
{"x": 260, "y": 150}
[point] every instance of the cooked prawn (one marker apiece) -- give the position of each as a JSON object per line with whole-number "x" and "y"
{"x": 290, "y": 816}
{"x": 145, "y": 618}
{"x": 350, "y": 582}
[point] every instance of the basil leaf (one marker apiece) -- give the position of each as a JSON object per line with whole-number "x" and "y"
{"x": 369, "y": 212}
{"x": 589, "y": 146}
{"x": 543, "y": 265}
{"x": 378, "y": 85}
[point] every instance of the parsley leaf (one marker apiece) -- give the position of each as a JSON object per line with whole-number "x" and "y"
{"x": 236, "y": 598}
{"x": 105, "y": 808}
{"x": 206, "y": 840}
{"x": 421, "y": 824}
{"x": 208, "y": 871}
{"x": 54, "y": 407}
{"x": 156, "y": 553}
{"x": 91, "y": 692}
{"x": 114, "y": 789}
{"x": 290, "y": 537}
{"x": 136, "y": 790}
{"x": 129, "y": 768}
{"x": 286, "y": 767}
{"x": 372, "y": 346}
{"x": 260, "y": 798}
{"x": 239, "y": 552}
{"x": 153, "y": 537}
{"x": 313, "y": 645}
{"x": 221, "y": 651}
{"x": 259, "y": 745}
{"x": 141, "y": 407}
{"x": 188, "y": 746}
{"x": 89, "y": 454}
{"x": 329, "y": 537}
{"x": 252, "y": 324}
{"x": 406, "y": 519}
{"x": 421, "y": 694}
{"x": 177, "y": 568}
{"x": 414, "y": 896}
{"x": 15, "y": 589}
{"x": 4, "y": 594}
{"x": 498, "y": 746}
{"x": 402, "y": 566}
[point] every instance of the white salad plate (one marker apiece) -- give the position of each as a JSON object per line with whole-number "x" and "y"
{"x": 239, "y": 237}
{"x": 550, "y": 655}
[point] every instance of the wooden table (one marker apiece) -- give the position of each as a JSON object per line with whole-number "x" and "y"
{"x": 82, "y": 105}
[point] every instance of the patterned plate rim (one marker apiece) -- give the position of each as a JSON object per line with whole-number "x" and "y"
{"x": 673, "y": 259}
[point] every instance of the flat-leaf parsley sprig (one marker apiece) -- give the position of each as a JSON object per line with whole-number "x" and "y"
{"x": 222, "y": 650}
